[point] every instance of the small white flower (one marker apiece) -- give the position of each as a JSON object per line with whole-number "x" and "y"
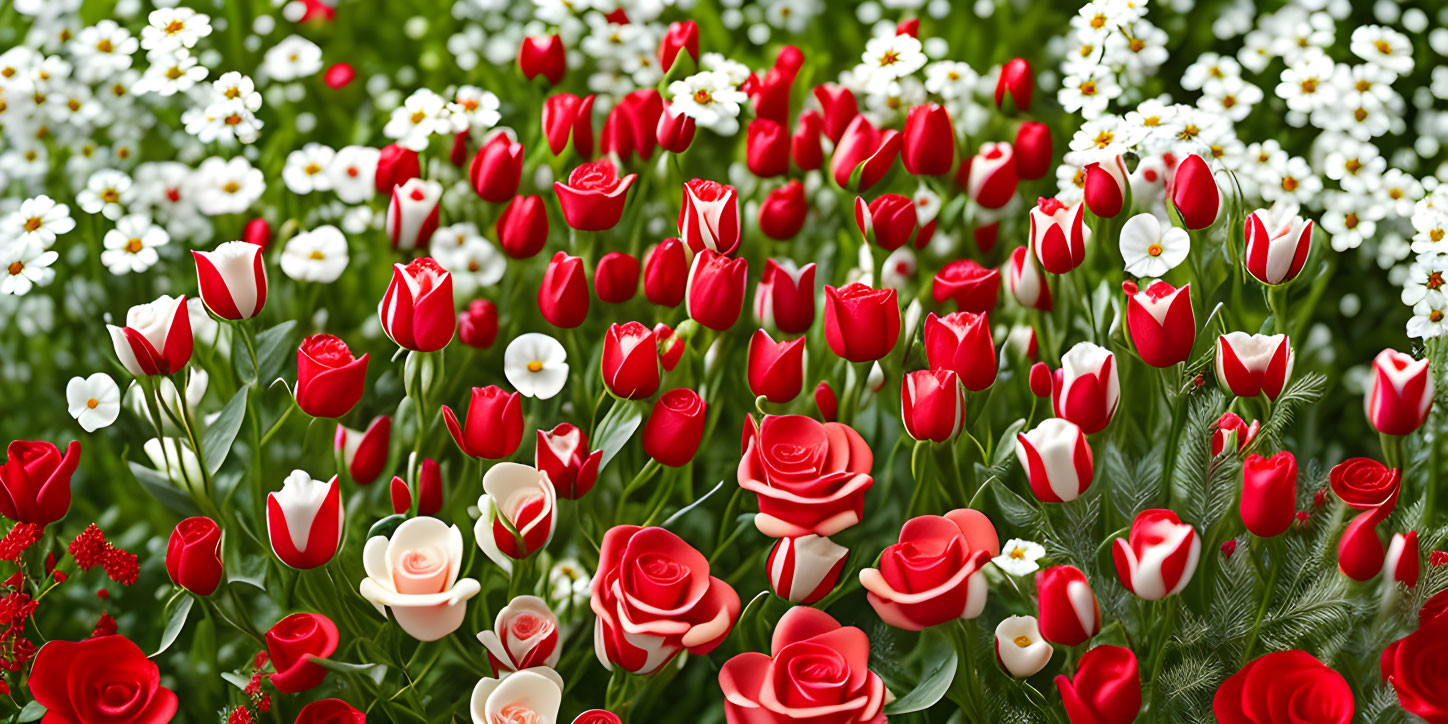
{"x": 102, "y": 50}
{"x": 234, "y": 86}
{"x": 227, "y": 186}
{"x": 892, "y": 57}
{"x": 94, "y": 402}
{"x": 39, "y": 221}
{"x": 170, "y": 72}
{"x": 172, "y": 28}
{"x": 1427, "y": 282}
{"x": 1150, "y": 248}
{"x": 1018, "y": 557}
{"x": 735, "y": 71}
{"x": 306, "y": 169}
{"x": 536, "y": 365}
{"x": 292, "y": 58}
{"x": 477, "y": 106}
{"x": 106, "y": 192}
{"x": 1383, "y": 47}
{"x": 353, "y": 172}
{"x": 131, "y": 246}
{"x": 1019, "y": 645}
{"x": 23, "y": 265}
{"x": 1088, "y": 92}
{"x": 319, "y": 255}
{"x": 1427, "y": 321}
{"x": 421, "y": 116}
{"x": 710, "y": 99}
{"x": 951, "y": 79}
{"x": 222, "y": 121}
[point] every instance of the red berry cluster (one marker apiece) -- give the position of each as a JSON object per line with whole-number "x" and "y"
{"x": 91, "y": 549}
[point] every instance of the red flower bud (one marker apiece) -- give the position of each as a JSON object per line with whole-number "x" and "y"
{"x": 562, "y": 453}
{"x": 1269, "y": 493}
{"x": 804, "y": 144}
{"x": 680, "y": 36}
{"x": 1195, "y": 194}
{"x": 365, "y": 452}
{"x": 563, "y": 295}
{"x": 838, "y": 105}
{"x": 671, "y": 346}
{"x": 594, "y": 196}
{"x": 1400, "y": 393}
{"x": 716, "y": 289}
{"x": 961, "y": 342}
{"x": 478, "y": 324}
{"x": 1069, "y": 614}
{"x": 932, "y": 405}
{"x": 543, "y": 57}
{"x": 767, "y": 151}
{"x": 928, "y": 147}
{"x": 1016, "y": 80}
{"x": 417, "y": 311}
{"x": 776, "y": 369}
{"x": 1105, "y": 191}
{"x": 566, "y": 115}
{"x": 785, "y": 296}
{"x": 396, "y": 166}
{"x": 494, "y": 425}
{"x": 616, "y": 278}
{"x": 338, "y": 75}
{"x": 1033, "y": 150}
{"x": 497, "y": 168}
{"x": 1161, "y": 322}
{"x": 629, "y": 364}
{"x": 193, "y": 555}
{"x": 522, "y": 228}
{"x": 990, "y": 176}
{"x": 632, "y": 125}
{"x": 864, "y": 153}
{"x": 971, "y": 286}
{"x": 675, "y": 131}
{"x": 666, "y": 273}
{"x": 862, "y": 324}
{"x": 709, "y": 216}
{"x": 783, "y": 212}
{"x": 675, "y": 427}
{"x": 257, "y": 231}
{"x": 889, "y": 221}
{"x": 330, "y": 380}
{"x": 826, "y": 401}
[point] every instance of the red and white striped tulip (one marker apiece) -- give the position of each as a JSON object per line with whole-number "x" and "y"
{"x": 156, "y": 339}
{"x": 412, "y": 213}
{"x": 1253, "y": 364}
{"x": 1058, "y": 237}
{"x": 1086, "y": 389}
{"x": 1069, "y": 614}
{"x": 1161, "y": 322}
{"x": 1057, "y": 460}
{"x": 804, "y": 569}
{"x": 304, "y": 520}
{"x": 1400, "y": 393}
{"x": 1159, "y": 555}
{"x": 1278, "y": 242}
{"x": 1025, "y": 282}
{"x": 232, "y": 279}
{"x": 524, "y": 635}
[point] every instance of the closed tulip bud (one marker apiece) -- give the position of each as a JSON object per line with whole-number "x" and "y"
{"x": 709, "y": 217}
{"x": 497, "y": 168}
{"x": 715, "y": 293}
{"x": 1195, "y": 194}
{"x": 767, "y": 152}
{"x": 1106, "y": 688}
{"x": 1162, "y": 324}
{"x": 770, "y": 91}
{"x": 1253, "y": 364}
{"x": 909, "y": 27}
{"x": 417, "y": 311}
{"x": 1269, "y": 493}
{"x": 542, "y": 56}
{"x": 330, "y": 380}
{"x": 401, "y": 496}
{"x": 863, "y": 155}
{"x": 928, "y": 145}
{"x": 563, "y": 455}
{"x": 1400, "y": 393}
{"x": 1360, "y": 552}
{"x": 804, "y": 570}
{"x": 1069, "y": 614}
{"x": 1086, "y": 389}
{"x": 365, "y": 452}
{"x": 563, "y": 294}
{"x": 396, "y": 165}
{"x": 681, "y": 36}
{"x": 932, "y": 405}
{"x": 675, "y": 427}
{"x": 629, "y": 365}
{"x": 156, "y": 339}
{"x": 675, "y": 130}
{"x": 525, "y": 634}
{"x": 1057, "y": 235}
{"x": 1033, "y": 150}
{"x": 783, "y": 212}
{"x": 990, "y": 176}
{"x": 1401, "y": 564}
{"x": 518, "y": 513}
{"x": 632, "y": 125}
{"x": 193, "y": 555}
{"x": 861, "y": 324}
{"x": 304, "y": 520}
{"x": 1057, "y": 460}
{"x": 232, "y": 280}
{"x": 257, "y": 231}
{"x": 567, "y": 116}
{"x": 1019, "y": 647}
{"x": 1040, "y": 379}
{"x": 35, "y": 481}
{"x": 961, "y": 342}
{"x": 804, "y": 143}
{"x": 826, "y": 402}
{"x": 478, "y": 324}
{"x": 971, "y": 286}
{"x": 1232, "y": 432}
{"x": 1016, "y": 81}
{"x": 616, "y": 279}
{"x": 1278, "y": 242}
{"x": 666, "y": 273}
{"x": 594, "y": 196}
{"x": 776, "y": 369}
{"x": 1024, "y": 280}
{"x": 338, "y": 75}
{"x": 522, "y": 228}
{"x": 429, "y": 487}
{"x": 494, "y": 425}
{"x": 889, "y": 221}
{"x": 785, "y": 296}
{"x": 1159, "y": 555}
{"x": 1105, "y": 191}
{"x": 838, "y": 108}
{"x": 412, "y": 213}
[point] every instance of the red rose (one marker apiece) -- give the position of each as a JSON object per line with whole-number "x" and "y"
{"x": 330, "y": 380}
{"x": 816, "y": 671}
{"x": 675, "y": 427}
{"x": 1366, "y": 484}
{"x": 1286, "y": 687}
{"x": 933, "y": 575}
{"x": 1106, "y": 688}
{"x": 330, "y": 711}
{"x": 105, "y": 679}
{"x": 35, "y": 481}
{"x": 810, "y": 477}
{"x": 654, "y": 597}
{"x": 193, "y": 555}
{"x": 293, "y": 643}
{"x": 594, "y": 196}
{"x": 1414, "y": 667}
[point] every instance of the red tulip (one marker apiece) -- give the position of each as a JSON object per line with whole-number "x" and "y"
{"x": 1195, "y": 194}
{"x": 1161, "y": 322}
{"x": 804, "y": 570}
{"x": 494, "y": 425}
{"x": 616, "y": 278}
{"x": 1086, "y": 389}
{"x": 681, "y": 36}
{"x": 785, "y": 296}
{"x": 1158, "y": 557}
{"x": 1401, "y": 563}
{"x": 890, "y": 221}
{"x": 1277, "y": 245}
{"x": 961, "y": 342}
{"x": 990, "y": 176}
{"x": 1269, "y": 493}
{"x": 1400, "y": 393}
{"x": 1105, "y": 191}
{"x": 563, "y": 294}
{"x": 776, "y": 369}
{"x": 666, "y": 273}
{"x": 156, "y": 339}
{"x": 562, "y": 453}
{"x": 675, "y": 131}
{"x": 1033, "y": 150}
{"x": 497, "y": 168}
{"x": 330, "y": 381}
{"x": 767, "y": 152}
{"x": 566, "y": 115}
{"x": 478, "y": 324}
{"x": 35, "y": 481}
{"x": 1024, "y": 280}
{"x": 1057, "y": 235}
{"x": 632, "y": 125}
{"x": 396, "y": 165}
{"x": 671, "y": 346}
{"x": 257, "y": 231}
{"x": 193, "y": 555}
{"x": 826, "y": 402}
{"x": 973, "y": 287}
{"x": 304, "y": 520}
{"x": 783, "y": 212}
{"x": 709, "y": 216}
{"x": 716, "y": 289}
{"x": 417, "y": 311}
{"x": 863, "y": 155}
{"x": 365, "y": 453}
{"x": 1106, "y": 688}
{"x": 232, "y": 279}
{"x": 1069, "y": 614}
{"x": 543, "y": 57}
{"x": 522, "y": 228}
{"x": 932, "y": 405}
{"x": 861, "y": 324}
{"x": 928, "y": 145}
{"x": 1016, "y": 80}
{"x": 594, "y": 196}
{"x": 839, "y": 109}
{"x": 1057, "y": 459}
{"x": 1253, "y": 364}
{"x": 1360, "y": 552}
{"x": 675, "y": 427}
{"x": 630, "y": 361}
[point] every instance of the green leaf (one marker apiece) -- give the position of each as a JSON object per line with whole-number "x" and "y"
{"x": 235, "y": 679}
{"x": 32, "y": 712}
{"x": 272, "y": 347}
{"x": 940, "y": 664}
{"x": 684, "y": 510}
{"x": 216, "y": 441}
{"x": 386, "y": 526}
{"x": 175, "y": 623}
{"x": 1005, "y": 449}
{"x": 343, "y": 667}
{"x": 163, "y": 490}
{"x": 618, "y": 428}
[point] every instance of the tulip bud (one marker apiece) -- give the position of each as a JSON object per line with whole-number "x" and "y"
{"x": 1360, "y": 553}
{"x": 1033, "y": 150}
{"x": 517, "y": 513}
{"x": 1040, "y": 379}
{"x": 525, "y": 634}
{"x": 715, "y": 290}
{"x": 1024, "y": 280}
{"x": 928, "y": 145}
{"x": 543, "y": 57}
{"x": 304, "y": 520}
{"x": 1278, "y": 242}
{"x": 785, "y": 296}
{"x": 826, "y": 402}
{"x": 675, "y": 131}
{"x": 338, "y": 75}
{"x": 563, "y": 294}
{"x": 396, "y": 165}
{"x": 1020, "y": 648}
{"x": 632, "y": 125}
{"x": 1195, "y": 194}
{"x": 156, "y": 339}
{"x": 630, "y": 361}
{"x": 837, "y": 104}
{"x": 804, "y": 570}
{"x": 365, "y": 453}
{"x": 522, "y": 228}
{"x": 863, "y": 155}
{"x": 193, "y": 555}
{"x": 709, "y": 217}
{"x": 804, "y": 144}
{"x": 1232, "y": 432}
{"x": 330, "y": 380}
{"x": 412, "y": 213}
{"x": 429, "y": 487}
{"x": 776, "y": 369}
{"x": 1162, "y": 324}
{"x": 680, "y": 36}
{"x": 782, "y": 214}
{"x": 1400, "y": 393}
{"x": 1269, "y": 493}
{"x": 567, "y": 116}
{"x": 961, "y": 342}
{"x": 990, "y": 177}
{"x": 1401, "y": 564}
{"x": 770, "y": 91}
{"x": 497, "y": 168}
{"x": 494, "y": 425}
{"x": 1105, "y": 191}
{"x": 1253, "y": 364}
{"x": 861, "y": 324}
{"x": 563, "y": 455}
{"x": 675, "y": 427}
{"x": 417, "y": 311}
{"x": 932, "y": 405}
{"x": 1086, "y": 389}
{"x": 478, "y": 324}
{"x": 1057, "y": 460}
{"x": 1057, "y": 235}
{"x": 767, "y": 152}
{"x": 401, "y": 496}
{"x": 616, "y": 279}
{"x": 973, "y": 287}
{"x": 1016, "y": 80}
{"x": 232, "y": 280}
{"x": 1106, "y": 689}
{"x": 1159, "y": 555}
{"x": 888, "y": 222}
{"x": 666, "y": 273}
{"x": 593, "y": 199}
{"x": 257, "y": 231}
{"x": 1069, "y": 614}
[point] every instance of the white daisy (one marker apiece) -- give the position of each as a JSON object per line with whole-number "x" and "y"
{"x": 710, "y": 99}
{"x": 94, "y": 402}
{"x": 24, "y": 265}
{"x": 306, "y": 169}
{"x": 1427, "y": 321}
{"x": 477, "y": 106}
{"x": 951, "y": 79}
{"x": 421, "y": 116}
{"x": 102, "y": 50}
{"x": 536, "y": 365}
{"x": 319, "y": 255}
{"x": 1018, "y": 557}
{"x": 170, "y": 72}
{"x": 292, "y": 58}
{"x": 892, "y": 57}
{"x": 227, "y": 186}
{"x": 1383, "y": 47}
{"x": 353, "y": 172}
{"x": 131, "y": 246}
{"x": 1150, "y": 248}
{"x": 106, "y": 192}
{"x": 172, "y": 28}
{"x": 39, "y": 221}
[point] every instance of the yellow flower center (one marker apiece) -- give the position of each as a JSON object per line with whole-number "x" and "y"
{"x": 32, "y": 223}
{"x": 535, "y": 366}
{"x": 16, "y": 267}
{"x": 134, "y": 245}
{"x": 92, "y": 403}
{"x": 702, "y": 97}
{"x": 1022, "y": 641}
{"x": 317, "y": 255}
{"x": 1154, "y": 250}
